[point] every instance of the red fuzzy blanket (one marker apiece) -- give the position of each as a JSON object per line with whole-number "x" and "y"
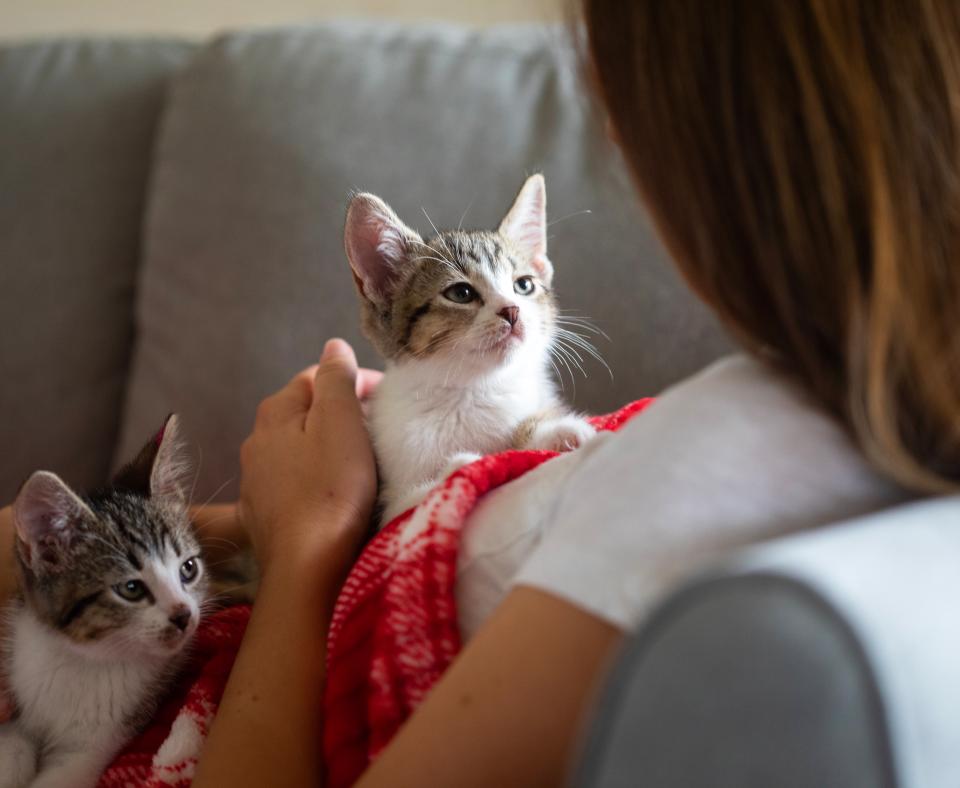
{"x": 394, "y": 629}
{"x": 394, "y": 633}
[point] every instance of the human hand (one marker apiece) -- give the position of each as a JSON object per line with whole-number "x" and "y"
{"x": 308, "y": 476}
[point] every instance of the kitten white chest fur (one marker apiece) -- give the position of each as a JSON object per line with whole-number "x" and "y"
{"x": 68, "y": 699}
{"x": 420, "y": 418}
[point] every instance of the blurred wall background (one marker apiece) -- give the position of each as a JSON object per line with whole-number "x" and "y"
{"x": 34, "y": 18}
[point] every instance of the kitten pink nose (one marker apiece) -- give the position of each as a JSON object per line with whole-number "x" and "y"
{"x": 511, "y": 314}
{"x": 180, "y": 618}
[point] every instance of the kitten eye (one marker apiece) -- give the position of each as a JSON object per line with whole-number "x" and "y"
{"x": 189, "y": 570}
{"x": 524, "y": 285}
{"x": 460, "y": 293}
{"x": 131, "y": 590}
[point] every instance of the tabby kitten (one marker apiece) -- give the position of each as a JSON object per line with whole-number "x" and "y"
{"x": 111, "y": 590}
{"x": 465, "y": 322}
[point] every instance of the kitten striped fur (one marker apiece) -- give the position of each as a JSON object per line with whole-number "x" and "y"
{"x": 465, "y": 321}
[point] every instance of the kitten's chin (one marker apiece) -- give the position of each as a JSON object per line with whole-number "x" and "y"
{"x": 507, "y": 345}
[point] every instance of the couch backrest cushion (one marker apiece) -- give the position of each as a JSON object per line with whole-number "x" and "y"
{"x": 77, "y": 122}
{"x": 264, "y": 137}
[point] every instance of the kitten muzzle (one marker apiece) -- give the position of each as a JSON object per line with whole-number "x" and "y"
{"x": 181, "y": 619}
{"x": 511, "y": 314}
{"x": 181, "y": 626}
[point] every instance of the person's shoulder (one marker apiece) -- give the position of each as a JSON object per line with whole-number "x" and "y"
{"x": 740, "y": 383}
{"x": 737, "y": 404}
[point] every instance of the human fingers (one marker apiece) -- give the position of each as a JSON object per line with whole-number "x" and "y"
{"x": 292, "y": 399}
{"x": 367, "y": 382}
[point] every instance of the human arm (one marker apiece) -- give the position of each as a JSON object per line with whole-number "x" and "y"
{"x": 307, "y": 487}
{"x": 509, "y": 709}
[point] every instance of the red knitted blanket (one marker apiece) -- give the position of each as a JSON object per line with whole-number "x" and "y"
{"x": 394, "y": 633}
{"x": 394, "y": 629}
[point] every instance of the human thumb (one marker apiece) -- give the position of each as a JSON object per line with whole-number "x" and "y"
{"x": 337, "y": 373}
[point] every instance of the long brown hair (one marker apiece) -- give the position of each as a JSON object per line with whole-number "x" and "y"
{"x": 801, "y": 160}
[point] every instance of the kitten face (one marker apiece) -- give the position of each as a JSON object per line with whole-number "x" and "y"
{"x": 477, "y": 299}
{"x": 118, "y": 573}
{"x": 470, "y": 296}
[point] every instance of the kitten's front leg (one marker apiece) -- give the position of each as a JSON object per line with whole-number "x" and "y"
{"x": 18, "y": 757}
{"x": 554, "y": 433}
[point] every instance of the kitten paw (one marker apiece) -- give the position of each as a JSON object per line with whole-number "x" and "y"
{"x": 563, "y": 434}
{"x": 18, "y": 757}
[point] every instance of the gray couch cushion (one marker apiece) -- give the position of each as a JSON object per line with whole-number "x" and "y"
{"x": 265, "y": 136}
{"x": 77, "y": 124}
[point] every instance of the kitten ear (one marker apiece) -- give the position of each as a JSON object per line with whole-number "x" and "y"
{"x": 376, "y": 242}
{"x": 157, "y": 471}
{"x": 525, "y": 225}
{"x": 44, "y": 514}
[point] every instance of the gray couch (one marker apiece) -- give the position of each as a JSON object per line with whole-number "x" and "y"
{"x": 170, "y": 219}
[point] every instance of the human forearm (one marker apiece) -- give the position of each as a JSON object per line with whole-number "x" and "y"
{"x": 268, "y": 728}
{"x": 307, "y": 486}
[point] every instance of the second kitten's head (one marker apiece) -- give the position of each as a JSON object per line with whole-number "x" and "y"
{"x": 117, "y": 572}
{"x": 475, "y": 299}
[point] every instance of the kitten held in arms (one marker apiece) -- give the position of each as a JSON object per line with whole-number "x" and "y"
{"x": 111, "y": 591}
{"x": 465, "y": 322}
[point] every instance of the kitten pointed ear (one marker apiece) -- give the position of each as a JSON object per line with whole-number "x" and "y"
{"x": 525, "y": 225}
{"x": 44, "y": 513}
{"x": 376, "y": 243}
{"x": 159, "y": 468}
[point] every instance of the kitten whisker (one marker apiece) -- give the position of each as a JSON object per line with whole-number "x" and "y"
{"x": 197, "y": 527}
{"x": 218, "y": 542}
{"x": 443, "y": 262}
{"x": 439, "y": 236}
{"x": 579, "y": 341}
{"x": 558, "y": 354}
{"x": 215, "y": 493}
{"x": 556, "y": 369}
{"x": 584, "y": 323}
{"x": 466, "y": 210}
{"x": 572, "y": 355}
{"x": 569, "y": 216}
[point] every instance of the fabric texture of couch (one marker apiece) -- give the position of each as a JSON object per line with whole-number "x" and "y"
{"x": 77, "y": 127}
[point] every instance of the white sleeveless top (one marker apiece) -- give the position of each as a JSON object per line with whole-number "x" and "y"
{"x": 734, "y": 455}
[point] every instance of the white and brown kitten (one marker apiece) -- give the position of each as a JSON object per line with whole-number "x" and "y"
{"x": 111, "y": 591}
{"x": 465, "y": 322}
